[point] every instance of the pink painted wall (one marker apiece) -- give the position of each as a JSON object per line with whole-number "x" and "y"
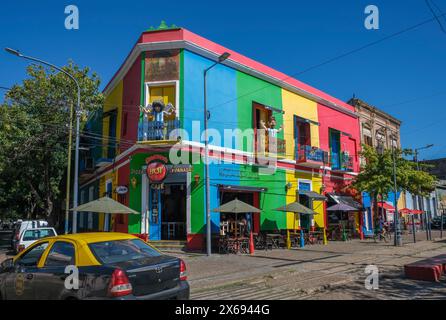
{"x": 329, "y": 118}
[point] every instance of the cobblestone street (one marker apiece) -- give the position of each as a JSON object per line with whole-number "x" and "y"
{"x": 334, "y": 271}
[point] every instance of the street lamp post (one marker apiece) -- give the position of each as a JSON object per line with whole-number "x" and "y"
{"x": 396, "y": 218}
{"x": 221, "y": 58}
{"x": 396, "y": 222}
{"x": 78, "y": 116}
{"x": 420, "y": 199}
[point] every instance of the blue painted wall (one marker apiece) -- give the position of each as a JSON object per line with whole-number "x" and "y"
{"x": 221, "y": 95}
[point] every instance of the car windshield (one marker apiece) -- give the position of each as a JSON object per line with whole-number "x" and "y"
{"x": 31, "y": 235}
{"x": 122, "y": 250}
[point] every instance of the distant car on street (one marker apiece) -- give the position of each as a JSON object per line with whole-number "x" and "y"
{"x": 436, "y": 222}
{"x": 21, "y": 226}
{"x": 107, "y": 265}
{"x": 29, "y": 236}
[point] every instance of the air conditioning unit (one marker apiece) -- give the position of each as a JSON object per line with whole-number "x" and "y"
{"x": 89, "y": 163}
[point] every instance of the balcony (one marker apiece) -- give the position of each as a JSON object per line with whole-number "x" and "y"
{"x": 342, "y": 163}
{"x": 311, "y": 156}
{"x": 270, "y": 147}
{"x": 158, "y": 132}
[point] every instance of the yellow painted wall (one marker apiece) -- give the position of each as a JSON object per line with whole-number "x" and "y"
{"x": 293, "y": 178}
{"x": 294, "y": 104}
{"x": 112, "y": 101}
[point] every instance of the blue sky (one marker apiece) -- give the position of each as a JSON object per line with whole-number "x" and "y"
{"x": 404, "y": 76}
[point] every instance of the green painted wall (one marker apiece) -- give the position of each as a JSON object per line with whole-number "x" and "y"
{"x": 249, "y": 90}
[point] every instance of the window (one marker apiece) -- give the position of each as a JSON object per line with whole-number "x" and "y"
{"x": 335, "y": 148}
{"x": 302, "y": 132}
{"x": 61, "y": 254}
{"x": 368, "y": 140}
{"x": 32, "y": 235}
{"x": 166, "y": 94}
{"x": 122, "y": 250}
{"x": 32, "y": 257}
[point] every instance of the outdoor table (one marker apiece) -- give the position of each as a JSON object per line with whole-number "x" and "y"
{"x": 274, "y": 238}
{"x": 234, "y": 245}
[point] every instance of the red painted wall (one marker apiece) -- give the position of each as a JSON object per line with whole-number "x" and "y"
{"x": 130, "y": 103}
{"x": 121, "y": 220}
{"x": 330, "y": 118}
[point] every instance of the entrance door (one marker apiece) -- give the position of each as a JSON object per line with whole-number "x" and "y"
{"x": 305, "y": 222}
{"x": 335, "y": 147}
{"x": 154, "y": 214}
{"x": 173, "y": 201}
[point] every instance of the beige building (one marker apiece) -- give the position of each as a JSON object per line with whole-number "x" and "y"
{"x": 378, "y": 128}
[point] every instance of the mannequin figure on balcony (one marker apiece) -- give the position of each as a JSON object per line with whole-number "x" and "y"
{"x": 156, "y": 112}
{"x": 271, "y": 127}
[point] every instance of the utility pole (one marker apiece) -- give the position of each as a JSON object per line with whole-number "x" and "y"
{"x": 420, "y": 199}
{"x": 221, "y": 58}
{"x": 396, "y": 218}
{"x": 67, "y": 199}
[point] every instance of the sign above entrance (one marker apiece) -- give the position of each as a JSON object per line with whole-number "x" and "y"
{"x": 156, "y": 171}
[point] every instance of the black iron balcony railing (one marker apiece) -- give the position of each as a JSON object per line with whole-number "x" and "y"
{"x": 158, "y": 130}
{"x": 311, "y": 155}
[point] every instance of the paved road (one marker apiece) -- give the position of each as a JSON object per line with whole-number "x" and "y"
{"x": 335, "y": 271}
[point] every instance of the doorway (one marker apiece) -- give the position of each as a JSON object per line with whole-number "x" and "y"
{"x": 173, "y": 213}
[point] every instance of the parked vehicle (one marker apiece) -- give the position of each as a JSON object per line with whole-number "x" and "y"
{"x": 110, "y": 266}
{"x": 20, "y": 226}
{"x": 29, "y": 236}
{"x": 436, "y": 222}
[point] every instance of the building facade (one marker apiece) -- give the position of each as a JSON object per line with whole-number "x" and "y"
{"x": 151, "y": 158}
{"x": 379, "y": 130}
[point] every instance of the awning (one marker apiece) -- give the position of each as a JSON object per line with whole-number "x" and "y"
{"x": 348, "y": 200}
{"x": 225, "y": 187}
{"x": 386, "y": 206}
{"x": 313, "y": 195}
{"x": 342, "y": 207}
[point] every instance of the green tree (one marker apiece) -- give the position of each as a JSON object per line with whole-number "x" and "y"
{"x": 34, "y": 123}
{"x": 376, "y": 175}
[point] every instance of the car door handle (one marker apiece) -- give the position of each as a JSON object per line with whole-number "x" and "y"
{"x": 29, "y": 276}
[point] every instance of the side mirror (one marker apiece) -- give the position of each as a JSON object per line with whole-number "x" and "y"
{"x": 7, "y": 264}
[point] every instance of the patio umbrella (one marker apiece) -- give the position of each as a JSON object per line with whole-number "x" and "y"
{"x": 106, "y": 205}
{"x": 236, "y": 206}
{"x": 341, "y": 207}
{"x": 296, "y": 207}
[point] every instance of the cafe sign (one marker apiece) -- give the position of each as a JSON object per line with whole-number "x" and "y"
{"x": 156, "y": 171}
